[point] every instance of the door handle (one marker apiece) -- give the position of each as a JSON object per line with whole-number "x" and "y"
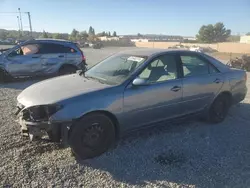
{"x": 61, "y": 56}
{"x": 175, "y": 88}
{"x": 217, "y": 80}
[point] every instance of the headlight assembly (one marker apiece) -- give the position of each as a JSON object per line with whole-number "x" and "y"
{"x": 41, "y": 113}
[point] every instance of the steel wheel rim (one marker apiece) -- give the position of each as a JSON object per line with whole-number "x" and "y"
{"x": 93, "y": 136}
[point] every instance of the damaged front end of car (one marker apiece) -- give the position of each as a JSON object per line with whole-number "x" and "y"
{"x": 35, "y": 122}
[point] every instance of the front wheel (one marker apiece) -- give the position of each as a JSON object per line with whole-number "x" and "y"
{"x": 4, "y": 77}
{"x": 219, "y": 109}
{"x": 91, "y": 136}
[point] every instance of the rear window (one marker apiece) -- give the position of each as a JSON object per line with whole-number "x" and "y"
{"x": 70, "y": 50}
{"x": 78, "y": 47}
{"x": 50, "y": 48}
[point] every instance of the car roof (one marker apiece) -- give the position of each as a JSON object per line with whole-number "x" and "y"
{"x": 52, "y": 40}
{"x": 149, "y": 51}
{"x": 49, "y": 40}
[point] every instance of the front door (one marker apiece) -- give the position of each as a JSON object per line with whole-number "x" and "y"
{"x": 159, "y": 99}
{"x": 201, "y": 82}
{"x": 23, "y": 61}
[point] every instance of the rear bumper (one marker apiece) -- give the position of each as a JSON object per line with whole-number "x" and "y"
{"x": 82, "y": 65}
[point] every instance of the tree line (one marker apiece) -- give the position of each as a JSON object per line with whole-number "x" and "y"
{"x": 207, "y": 34}
{"x": 75, "y": 35}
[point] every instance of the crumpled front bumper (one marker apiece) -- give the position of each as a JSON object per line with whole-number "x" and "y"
{"x": 34, "y": 130}
{"x": 56, "y": 132}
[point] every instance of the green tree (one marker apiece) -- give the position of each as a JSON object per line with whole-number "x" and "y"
{"x": 114, "y": 34}
{"x": 220, "y": 32}
{"x": 56, "y": 36}
{"x": 213, "y": 33}
{"x": 139, "y": 35}
{"x": 83, "y": 35}
{"x": 44, "y": 34}
{"x": 74, "y": 35}
{"x": 3, "y": 34}
{"x": 91, "y": 31}
{"x": 248, "y": 34}
{"x": 109, "y": 34}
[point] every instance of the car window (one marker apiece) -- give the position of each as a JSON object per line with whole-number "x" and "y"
{"x": 27, "y": 49}
{"x": 213, "y": 70}
{"x": 161, "y": 69}
{"x": 193, "y": 66}
{"x": 69, "y": 50}
{"x": 50, "y": 48}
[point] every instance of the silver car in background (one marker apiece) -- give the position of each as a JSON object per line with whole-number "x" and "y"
{"x": 41, "y": 57}
{"x": 128, "y": 91}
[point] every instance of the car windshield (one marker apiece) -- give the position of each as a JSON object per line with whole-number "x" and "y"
{"x": 9, "y": 49}
{"x": 115, "y": 69}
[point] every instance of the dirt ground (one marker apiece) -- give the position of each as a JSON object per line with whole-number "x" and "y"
{"x": 187, "y": 154}
{"x": 226, "y": 56}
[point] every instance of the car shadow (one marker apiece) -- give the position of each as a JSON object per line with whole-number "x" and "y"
{"x": 189, "y": 153}
{"x": 22, "y": 83}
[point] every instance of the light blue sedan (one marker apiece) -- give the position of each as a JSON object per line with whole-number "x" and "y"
{"x": 128, "y": 91}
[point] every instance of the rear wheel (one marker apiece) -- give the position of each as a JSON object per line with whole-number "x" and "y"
{"x": 92, "y": 135}
{"x": 68, "y": 69}
{"x": 219, "y": 109}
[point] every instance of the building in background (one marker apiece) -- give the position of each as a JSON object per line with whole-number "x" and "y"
{"x": 245, "y": 39}
{"x": 106, "y": 38}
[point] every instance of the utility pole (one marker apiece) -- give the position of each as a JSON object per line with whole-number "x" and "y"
{"x": 20, "y": 20}
{"x": 18, "y": 26}
{"x": 30, "y": 23}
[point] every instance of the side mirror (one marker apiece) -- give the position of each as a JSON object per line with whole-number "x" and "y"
{"x": 140, "y": 82}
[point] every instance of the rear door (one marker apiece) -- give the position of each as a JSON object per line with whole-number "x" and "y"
{"x": 201, "y": 82}
{"x": 74, "y": 55}
{"x": 53, "y": 56}
{"x": 23, "y": 60}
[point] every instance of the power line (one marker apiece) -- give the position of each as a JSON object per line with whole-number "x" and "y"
{"x": 20, "y": 24}
{"x": 12, "y": 12}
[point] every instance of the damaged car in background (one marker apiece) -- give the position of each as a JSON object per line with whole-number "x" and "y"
{"x": 41, "y": 57}
{"x": 127, "y": 91}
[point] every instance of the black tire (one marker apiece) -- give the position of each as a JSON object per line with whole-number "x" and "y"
{"x": 68, "y": 69}
{"x": 219, "y": 109}
{"x": 4, "y": 77}
{"x": 91, "y": 136}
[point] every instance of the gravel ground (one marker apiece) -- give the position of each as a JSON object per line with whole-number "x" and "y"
{"x": 188, "y": 154}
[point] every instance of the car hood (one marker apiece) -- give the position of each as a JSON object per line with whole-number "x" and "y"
{"x": 57, "y": 89}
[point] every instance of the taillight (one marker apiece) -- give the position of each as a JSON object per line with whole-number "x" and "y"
{"x": 83, "y": 57}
